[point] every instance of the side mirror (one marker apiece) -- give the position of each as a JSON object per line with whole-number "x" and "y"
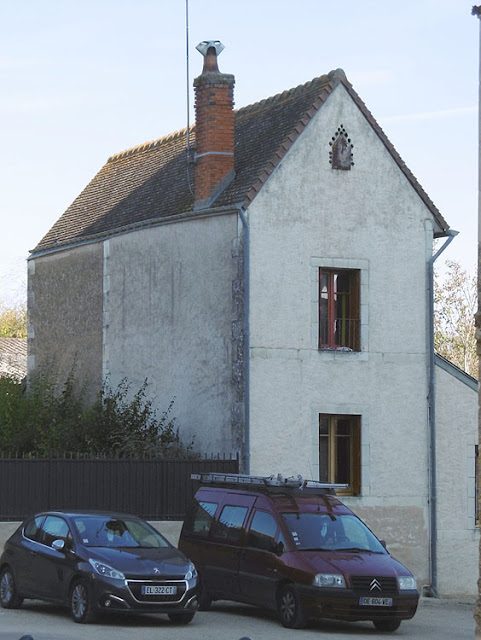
{"x": 279, "y": 548}
{"x": 58, "y": 545}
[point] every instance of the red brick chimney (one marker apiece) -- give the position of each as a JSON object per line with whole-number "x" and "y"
{"x": 214, "y": 126}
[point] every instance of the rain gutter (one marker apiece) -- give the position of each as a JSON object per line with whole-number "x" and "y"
{"x": 247, "y": 450}
{"x": 432, "y": 589}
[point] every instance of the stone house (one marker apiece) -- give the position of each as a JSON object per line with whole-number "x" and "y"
{"x": 272, "y": 270}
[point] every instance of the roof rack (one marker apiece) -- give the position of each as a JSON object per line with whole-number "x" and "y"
{"x": 296, "y": 483}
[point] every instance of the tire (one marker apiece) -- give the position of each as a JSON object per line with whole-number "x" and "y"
{"x": 9, "y": 598}
{"x": 386, "y": 625}
{"x": 182, "y": 618}
{"x": 289, "y": 609}
{"x": 204, "y": 598}
{"x": 82, "y": 608}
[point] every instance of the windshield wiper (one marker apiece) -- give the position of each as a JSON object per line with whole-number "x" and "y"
{"x": 357, "y": 550}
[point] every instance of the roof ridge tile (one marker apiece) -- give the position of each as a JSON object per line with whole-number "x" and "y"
{"x": 325, "y": 79}
{"x": 152, "y": 144}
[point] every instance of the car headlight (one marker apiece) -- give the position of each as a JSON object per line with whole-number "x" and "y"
{"x": 406, "y": 583}
{"x": 106, "y": 571}
{"x": 329, "y": 580}
{"x": 191, "y": 572}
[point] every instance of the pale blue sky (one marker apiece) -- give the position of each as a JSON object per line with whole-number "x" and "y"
{"x": 83, "y": 79}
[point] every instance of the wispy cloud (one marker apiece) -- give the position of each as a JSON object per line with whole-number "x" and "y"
{"x": 431, "y": 115}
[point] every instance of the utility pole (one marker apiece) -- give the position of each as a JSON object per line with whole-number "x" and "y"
{"x": 477, "y": 12}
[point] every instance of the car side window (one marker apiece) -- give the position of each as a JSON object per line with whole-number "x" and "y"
{"x": 203, "y": 516}
{"x": 262, "y": 532}
{"x": 229, "y": 525}
{"x": 54, "y": 528}
{"x": 32, "y": 529}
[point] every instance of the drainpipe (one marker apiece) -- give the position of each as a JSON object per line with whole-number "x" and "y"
{"x": 247, "y": 446}
{"x": 432, "y": 589}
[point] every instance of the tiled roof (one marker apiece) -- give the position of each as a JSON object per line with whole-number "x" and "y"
{"x": 154, "y": 181}
{"x": 13, "y": 357}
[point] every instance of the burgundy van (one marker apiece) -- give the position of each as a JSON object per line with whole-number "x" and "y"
{"x": 292, "y": 546}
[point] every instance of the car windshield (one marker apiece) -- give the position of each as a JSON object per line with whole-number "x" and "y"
{"x": 105, "y": 531}
{"x": 327, "y": 532}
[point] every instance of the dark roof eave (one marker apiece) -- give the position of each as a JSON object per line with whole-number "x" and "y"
{"x": 153, "y": 222}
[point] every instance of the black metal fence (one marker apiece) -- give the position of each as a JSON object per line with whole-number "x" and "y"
{"x": 151, "y": 488}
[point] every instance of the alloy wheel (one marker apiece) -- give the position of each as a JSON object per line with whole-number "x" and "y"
{"x": 288, "y": 606}
{"x": 79, "y": 601}
{"x": 289, "y": 609}
{"x": 6, "y": 588}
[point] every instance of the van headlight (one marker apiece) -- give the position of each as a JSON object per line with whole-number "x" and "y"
{"x": 106, "y": 571}
{"x": 406, "y": 583}
{"x": 332, "y": 580}
{"x": 191, "y": 572}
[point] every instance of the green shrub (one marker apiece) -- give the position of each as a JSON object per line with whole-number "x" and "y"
{"x": 48, "y": 420}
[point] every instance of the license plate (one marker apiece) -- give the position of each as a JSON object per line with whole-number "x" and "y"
{"x": 148, "y": 590}
{"x": 376, "y": 602}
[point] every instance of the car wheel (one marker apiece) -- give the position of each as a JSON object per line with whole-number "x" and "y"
{"x": 81, "y": 605}
{"x": 203, "y": 596}
{"x": 289, "y": 609}
{"x": 386, "y": 625}
{"x": 182, "y": 618}
{"x": 9, "y": 598}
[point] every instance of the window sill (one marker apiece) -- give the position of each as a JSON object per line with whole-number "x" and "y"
{"x": 339, "y": 354}
{"x": 339, "y": 349}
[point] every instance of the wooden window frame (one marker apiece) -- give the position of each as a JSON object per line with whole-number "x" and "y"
{"x": 354, "y": 463}
{"x": 327, "y": 335}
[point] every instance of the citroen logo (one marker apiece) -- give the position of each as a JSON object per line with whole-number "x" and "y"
{"x": 375, "y": 584}
{"x": 156, "y": 571}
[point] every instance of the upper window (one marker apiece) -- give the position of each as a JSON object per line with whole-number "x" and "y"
{"x": 340, "y": 451}
{"x": 339, "y": 309}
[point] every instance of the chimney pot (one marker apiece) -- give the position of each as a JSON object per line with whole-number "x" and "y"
{"x": 210, "y": 49}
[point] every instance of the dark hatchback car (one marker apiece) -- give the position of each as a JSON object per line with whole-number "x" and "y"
{"x": 292, "y": 546}
{"x": 97, "y": 561}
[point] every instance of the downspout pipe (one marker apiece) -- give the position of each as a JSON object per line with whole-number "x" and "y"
{"x": 247, "y": 446}
{"x": 432, "y": 589}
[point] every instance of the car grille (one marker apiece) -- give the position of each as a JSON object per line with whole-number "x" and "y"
{"x": 136, "y": 590}
{"x": 374, "y": 585}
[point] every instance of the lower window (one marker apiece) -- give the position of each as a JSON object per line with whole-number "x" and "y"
{"x": 340, "y": 451}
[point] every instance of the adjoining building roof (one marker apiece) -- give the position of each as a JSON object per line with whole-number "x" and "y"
{"x": 154, "y": 181}
{"x": 455, "y": 371}
{"x": 13, "y": 357}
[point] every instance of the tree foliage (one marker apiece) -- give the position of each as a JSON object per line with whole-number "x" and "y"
{"x": 13, "y": 321}
{"x": 455, "y": 302}
{"x": 47, "y": 420}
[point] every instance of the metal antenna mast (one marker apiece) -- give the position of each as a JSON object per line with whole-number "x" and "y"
{"x": 187, "y": 91}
